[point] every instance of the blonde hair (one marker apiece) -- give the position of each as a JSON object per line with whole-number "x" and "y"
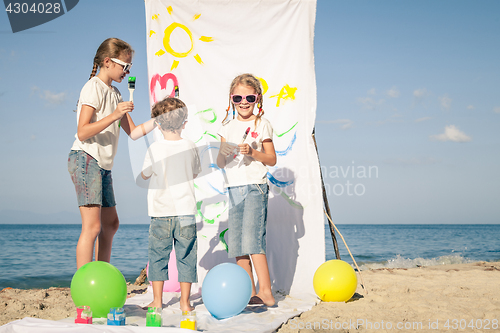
{"x": 170, "y": 113}
{"x": 252, "y": 82}
{"x": 111, "y": 48}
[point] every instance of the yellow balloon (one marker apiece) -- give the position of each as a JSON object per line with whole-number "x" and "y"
{"x": 335, "y": 281}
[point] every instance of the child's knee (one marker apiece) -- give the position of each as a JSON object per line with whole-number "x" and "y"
{"x": 112, "y": 225}
{"x": 91, "y": 230}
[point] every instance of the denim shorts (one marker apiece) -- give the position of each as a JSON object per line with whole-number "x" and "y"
{"x": 182, "y": 231}
{"x": 247, "y": 219}
{"x": 93, "y": 184}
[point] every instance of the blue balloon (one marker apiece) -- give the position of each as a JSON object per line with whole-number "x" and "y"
{"x": 226, "y": 290}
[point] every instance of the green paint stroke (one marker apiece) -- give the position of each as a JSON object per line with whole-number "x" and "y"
{"x": 202, "y": 190}
{"x": 212, "y": 135}
{"x": 206, "y": 133}
{"x": 199, "y": 213}
{"x": 280, "y": 135}
{"x": 201, "y": 137}
{"x": 222, "y": 240}
{"x": 205, "y": 219}
{"x": 203, "y": 115}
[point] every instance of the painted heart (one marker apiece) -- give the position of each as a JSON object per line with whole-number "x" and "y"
{"x": 168, "y": 82}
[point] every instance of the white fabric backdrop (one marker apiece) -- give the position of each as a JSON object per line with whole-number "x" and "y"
{"x": 200, "y": 46}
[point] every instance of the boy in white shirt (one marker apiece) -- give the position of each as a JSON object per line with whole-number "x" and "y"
{"x": 172, "y": 164}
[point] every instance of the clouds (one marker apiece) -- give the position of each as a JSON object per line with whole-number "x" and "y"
{"x": 370, "y": 103}
{"x": 393, "y": 92}
{"x": 445, "y": 102}
{"x": 497, "y": 109}
{"x": 415, "y": 110}
{"x": 50, "y": 97}
{"x": 419, "y": 95}
{"x": 419, "y": 120}
{"x": 451, "y": 133}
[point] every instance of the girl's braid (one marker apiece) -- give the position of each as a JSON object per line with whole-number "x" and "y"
{"x": 94, "y": 70}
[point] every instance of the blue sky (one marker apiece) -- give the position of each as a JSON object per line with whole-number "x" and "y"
{"x": 407, "y": 90}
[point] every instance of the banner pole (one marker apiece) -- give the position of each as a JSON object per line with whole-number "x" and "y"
{"x": 325, "y": 201}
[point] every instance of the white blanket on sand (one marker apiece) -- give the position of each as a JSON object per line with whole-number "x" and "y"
{"x": 254, "y": 318}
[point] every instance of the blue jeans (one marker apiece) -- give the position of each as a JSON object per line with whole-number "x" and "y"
{"x": 247, "y": 219}
{"x": 182, "y": 231}
{"x": 93, "y": 185}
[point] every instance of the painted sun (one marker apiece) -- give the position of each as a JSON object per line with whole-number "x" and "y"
{"x": 176, "y": 53}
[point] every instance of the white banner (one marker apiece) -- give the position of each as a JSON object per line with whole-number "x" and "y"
{"x": 196, "y": 47}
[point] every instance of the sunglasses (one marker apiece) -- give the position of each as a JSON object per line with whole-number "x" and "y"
{"x": 237, "y": 99}
{"x": 126, "y": 65}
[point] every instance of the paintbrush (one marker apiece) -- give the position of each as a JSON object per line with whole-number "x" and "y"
{"x": 131, "y": 87}
{"x": 243, "y": 140}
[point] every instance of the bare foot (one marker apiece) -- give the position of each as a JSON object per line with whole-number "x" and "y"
{"x": 186, "y": 306}
{"x": 267, "y": 298}
{"x": 153, "y": 304}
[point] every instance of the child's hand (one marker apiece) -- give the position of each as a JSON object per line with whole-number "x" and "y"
{"x": 226, "y": 149}
{"x": 245, "y": 149}
{"x": 123, "y": 108}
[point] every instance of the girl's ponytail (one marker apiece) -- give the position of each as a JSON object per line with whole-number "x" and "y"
{"x": 261, "y": 111}
{"x": 94, "y": 70}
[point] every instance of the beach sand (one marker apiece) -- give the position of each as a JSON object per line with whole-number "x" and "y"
{"x": 52, "y": 303}
{"x": 435, "y": 298}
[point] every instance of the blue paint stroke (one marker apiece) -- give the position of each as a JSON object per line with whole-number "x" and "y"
{"x": 278, "y": 183}
{"x": 214, "y": 166}
{"x": 287, "y": 150}
{"x": 204, "y": 150}
{"x": 217, "y": 190}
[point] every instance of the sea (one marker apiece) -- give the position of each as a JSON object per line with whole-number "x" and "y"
{"x": 43, "y": 255}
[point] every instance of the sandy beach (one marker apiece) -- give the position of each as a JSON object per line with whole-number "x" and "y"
{"x": 463, "y": 297}
{"x": 52, "y": 303}
{"x": 435, "y": 298}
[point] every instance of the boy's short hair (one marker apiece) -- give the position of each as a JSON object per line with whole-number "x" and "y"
{"x": 170, "y": 113}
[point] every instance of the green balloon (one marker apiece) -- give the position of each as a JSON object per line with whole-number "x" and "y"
{"x": 99, "y": 285}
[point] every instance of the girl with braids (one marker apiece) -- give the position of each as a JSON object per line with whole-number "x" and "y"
{"x": 100, "y": 110}
{"x": 246, "y": 181}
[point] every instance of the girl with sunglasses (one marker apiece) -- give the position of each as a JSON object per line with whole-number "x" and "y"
{"x": 100, "y": 110}
{"x": 245, "y": 152}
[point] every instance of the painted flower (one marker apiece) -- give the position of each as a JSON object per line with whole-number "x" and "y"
{"x": 255, "y": 135}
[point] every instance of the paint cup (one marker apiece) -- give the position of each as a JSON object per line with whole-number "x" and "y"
{"x": 153, "y": 317}
{"x": 116, "y": 317}
{"x": 83, "y": 315}
{"x": 188, "y": 320}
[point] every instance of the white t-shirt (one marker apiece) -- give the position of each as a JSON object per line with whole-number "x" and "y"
{"x": 172, "y": 166}
{"x": 104, "y": 100}
{"x": 244, "y": 170}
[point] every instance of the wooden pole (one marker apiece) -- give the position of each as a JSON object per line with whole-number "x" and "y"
{"x": 325, "y": 201}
